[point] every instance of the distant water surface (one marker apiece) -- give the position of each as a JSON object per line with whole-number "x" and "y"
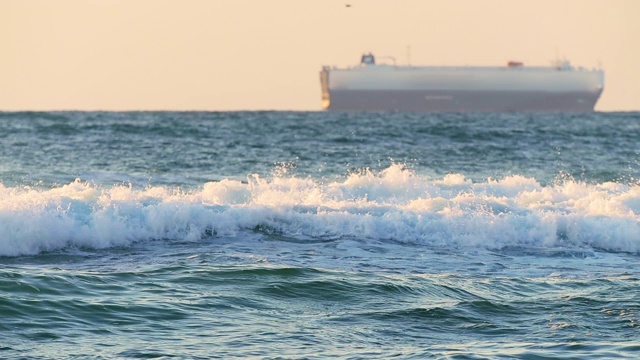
{"x": 319, "y": 235}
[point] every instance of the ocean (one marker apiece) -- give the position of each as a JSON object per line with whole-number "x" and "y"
{"x": 319, "y": 235}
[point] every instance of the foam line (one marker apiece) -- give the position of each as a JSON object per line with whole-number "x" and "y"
{"x": 394, "y": 204}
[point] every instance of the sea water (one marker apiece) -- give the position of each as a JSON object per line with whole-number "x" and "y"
{"x": 316, "y": 235}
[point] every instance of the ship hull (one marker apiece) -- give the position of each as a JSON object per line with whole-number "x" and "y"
{"x": 514, "y": 88}
{"x": 461, "y": 100}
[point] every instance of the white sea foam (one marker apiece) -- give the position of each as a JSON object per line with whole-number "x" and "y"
{"x": 394, "y": 204}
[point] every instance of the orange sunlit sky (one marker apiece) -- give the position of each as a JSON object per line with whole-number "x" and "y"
{"x": 266, "y": 54}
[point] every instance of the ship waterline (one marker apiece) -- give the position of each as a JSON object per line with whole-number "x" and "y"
{"x": 371, "y": 87}
{"x": 461, "y": 100}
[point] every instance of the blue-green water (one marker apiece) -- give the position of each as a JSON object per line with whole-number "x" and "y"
{"x": 319, "y": 235}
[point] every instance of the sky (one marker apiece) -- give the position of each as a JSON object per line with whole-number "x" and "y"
{"x": 267, "y": 54}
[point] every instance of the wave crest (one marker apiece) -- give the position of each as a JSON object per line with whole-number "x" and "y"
{"x": 394, "y": 204}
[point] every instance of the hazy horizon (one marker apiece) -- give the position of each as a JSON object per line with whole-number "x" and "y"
{"x": 112, "y": 55}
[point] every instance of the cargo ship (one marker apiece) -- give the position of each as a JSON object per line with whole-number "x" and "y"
{"x": 510, "y": 88}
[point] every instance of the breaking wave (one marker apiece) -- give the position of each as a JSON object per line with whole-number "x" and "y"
{"x": 394, "y": 204}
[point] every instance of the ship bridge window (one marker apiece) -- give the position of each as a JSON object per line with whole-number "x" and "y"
{"x": 368, "y": 59}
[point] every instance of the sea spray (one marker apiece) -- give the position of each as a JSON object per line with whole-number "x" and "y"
{"x": 395, "y": 204}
